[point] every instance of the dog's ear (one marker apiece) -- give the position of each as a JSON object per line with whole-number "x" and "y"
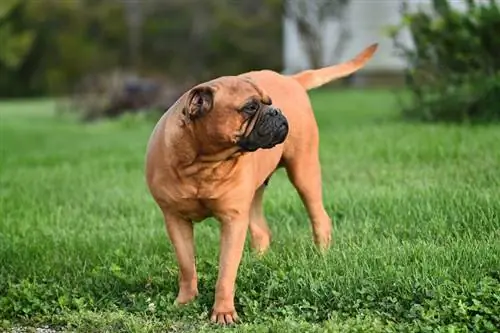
{"x": 199, "y": 102}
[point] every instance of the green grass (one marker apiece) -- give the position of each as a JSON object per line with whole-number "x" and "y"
{"x": 417, "y": 232}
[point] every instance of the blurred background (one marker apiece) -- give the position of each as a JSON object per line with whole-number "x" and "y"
{"x": 114, "y": 56}
{"x": 415, "y": 203}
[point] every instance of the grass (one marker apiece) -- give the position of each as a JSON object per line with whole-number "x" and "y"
{"x": 83, "y": 247}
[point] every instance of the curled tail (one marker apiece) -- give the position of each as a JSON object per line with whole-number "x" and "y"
{"x": 314, "y": 78}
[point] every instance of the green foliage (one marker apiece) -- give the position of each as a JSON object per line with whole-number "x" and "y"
{"x": 52, "y": 45}
{"x": 83, "y": 246}
{"x": 203, "y": 39}
{"x": 15, "y": 45}
{"x": 454, "y": 68}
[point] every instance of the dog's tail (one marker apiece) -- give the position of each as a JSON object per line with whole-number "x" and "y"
{"x": 313, "y": 78}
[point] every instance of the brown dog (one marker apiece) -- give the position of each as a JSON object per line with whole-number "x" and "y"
{"x": 212, "y": 153}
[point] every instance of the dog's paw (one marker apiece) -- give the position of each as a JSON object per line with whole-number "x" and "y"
{"x": 186, "y": 296}
{"x": 224, "y": 318}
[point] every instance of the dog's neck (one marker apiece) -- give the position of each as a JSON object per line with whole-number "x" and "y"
{"x": 191, "y": 155}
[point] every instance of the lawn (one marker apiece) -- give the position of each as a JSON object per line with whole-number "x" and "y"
{"x": 415, "y": 207}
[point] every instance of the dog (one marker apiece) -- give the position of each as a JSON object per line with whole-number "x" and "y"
{"x": 212, "y": 153}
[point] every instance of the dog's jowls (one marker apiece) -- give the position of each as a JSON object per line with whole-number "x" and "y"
{"x": 212, "y": 153}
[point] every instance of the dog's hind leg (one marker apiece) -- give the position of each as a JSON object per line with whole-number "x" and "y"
{"x": 304, "y": 172}
{"x": 180, "y": 232}
{"x": 260, "y": 235}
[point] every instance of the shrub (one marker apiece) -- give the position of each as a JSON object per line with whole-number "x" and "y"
{"x": 112, "y": 94}
{"x": 453, "y": 69}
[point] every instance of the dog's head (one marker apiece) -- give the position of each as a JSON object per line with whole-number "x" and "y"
{"x": 234, "y": 112}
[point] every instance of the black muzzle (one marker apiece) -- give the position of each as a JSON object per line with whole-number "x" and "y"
{"x": 270, "y": 128}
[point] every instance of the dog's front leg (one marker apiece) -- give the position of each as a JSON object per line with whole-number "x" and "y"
{"x": 232, "y": 241}
{"x": 180, "y": 232}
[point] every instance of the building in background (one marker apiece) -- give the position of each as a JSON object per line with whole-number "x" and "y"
{"x": 368, "y": 21}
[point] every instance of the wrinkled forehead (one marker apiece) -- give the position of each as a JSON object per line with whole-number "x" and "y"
{"x": 237, "y": 91}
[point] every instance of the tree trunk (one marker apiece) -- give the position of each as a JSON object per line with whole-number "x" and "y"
{"x": 311, "y": 39}
{"x": 134, "y": 18}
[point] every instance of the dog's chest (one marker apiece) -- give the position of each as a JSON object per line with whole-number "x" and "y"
{"x": 193, "y": 199}
{"x": 193, "y": 209}
{"x": 196, "y": 192}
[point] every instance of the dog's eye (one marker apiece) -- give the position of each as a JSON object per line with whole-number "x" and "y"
{"x": 251, "y": 107}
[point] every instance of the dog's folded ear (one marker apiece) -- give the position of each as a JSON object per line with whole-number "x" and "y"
{"x": 199, "y": 102}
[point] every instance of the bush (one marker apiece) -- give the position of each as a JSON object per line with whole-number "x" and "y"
{"x": 112, "y": 94}
{"x": 454, "y": 66}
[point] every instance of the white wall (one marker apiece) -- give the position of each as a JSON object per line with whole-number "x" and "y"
{"x": 367, "y": 20}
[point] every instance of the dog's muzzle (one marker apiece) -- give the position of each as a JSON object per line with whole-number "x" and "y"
{"x": 270, "y": 128}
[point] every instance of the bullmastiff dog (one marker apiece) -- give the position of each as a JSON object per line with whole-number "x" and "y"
{"x": 212, "y": 153}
